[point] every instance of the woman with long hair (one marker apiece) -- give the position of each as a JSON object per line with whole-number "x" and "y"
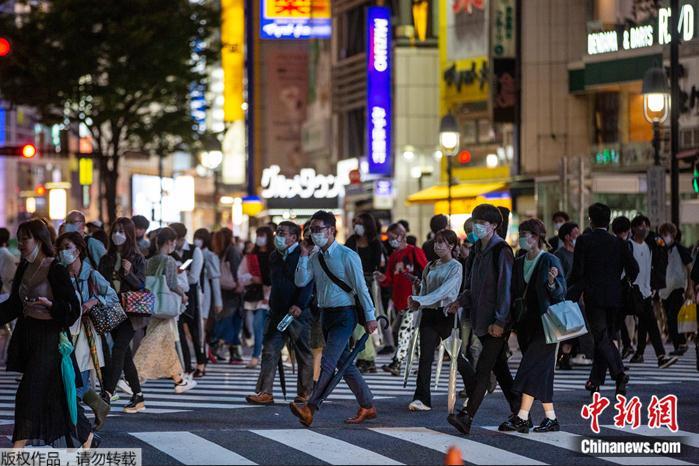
{"x": 210, "y": 282}
{"x": 226, "y": 328}
{"x": 253, "y": 274}
{"x": 157, "y": 355}
{"x": 125, "y": 267}
{"x": 45, "y": 305}
{"x": 538, "y": 280}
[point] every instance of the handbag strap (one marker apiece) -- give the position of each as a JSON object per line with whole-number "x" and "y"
{"x": 344, "y": 286}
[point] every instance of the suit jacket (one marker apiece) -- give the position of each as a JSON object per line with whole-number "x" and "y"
{"x": 598, "y": 263}
{"x": 284, "y": 292}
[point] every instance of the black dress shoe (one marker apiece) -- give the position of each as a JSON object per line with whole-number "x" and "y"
{"x": 636, "y": 359}
{"x": 515, "y": 424}
{"x": 626, "y": 352}
{"x": 548, "y": 425}
{"x": 386, "y": 350}
{"x": 511, "y": 419}
{"x": 461, "y": 421}
{"x": 621, "y": 383}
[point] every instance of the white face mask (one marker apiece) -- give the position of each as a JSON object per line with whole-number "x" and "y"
{"x": 261, "y": 241}
{"x": 482, "y": 231}
{"x": 67, "y": 256}
{"x": 32, "y": 255}
{"x": 524, "y": 243}
{"x": 557, "y": 226}
{"x": 199, "y": 243}
{"x": 319, "y": 239}
{"x": 395, "y": 243}
{"x": 118, "y": 238}
{"x": 668, "y": 240}
{"x": 280, "y": 243}
{"x": 359, "y": 230}
{"x": 573, "y": 242}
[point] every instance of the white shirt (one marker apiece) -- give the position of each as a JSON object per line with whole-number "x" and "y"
{"x": 676, "y": 275}
{"x": 8, "y": 267}
{"x": 642, "y": 254}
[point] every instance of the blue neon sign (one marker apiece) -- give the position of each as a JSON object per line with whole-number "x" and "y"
{"x": 379, "y": 112}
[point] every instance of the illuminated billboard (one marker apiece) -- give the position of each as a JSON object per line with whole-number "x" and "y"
{"x": 379, "y": 111}
{"x": 295, "y": 19}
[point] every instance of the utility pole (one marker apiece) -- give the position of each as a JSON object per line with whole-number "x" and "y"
{"x": 674, "y": 111}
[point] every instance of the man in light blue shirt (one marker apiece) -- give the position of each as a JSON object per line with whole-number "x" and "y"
{"x": 75, "y": 221}
{"x": 339, "y": 314}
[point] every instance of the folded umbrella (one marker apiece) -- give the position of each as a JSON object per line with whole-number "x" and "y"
{"x": 65, "y": 348}
{"x": 452, "y": 345}
{"x": 440, "y": 363}
{"x": 358, "y": 348}
{"x": 93, "y": 351}
{"x": 412, "y": 348}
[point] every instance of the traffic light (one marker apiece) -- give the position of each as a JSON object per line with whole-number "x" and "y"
{"x": 695, "y": 178}
{"x": 26, "y": 151}
{"x": 5, "y": 47}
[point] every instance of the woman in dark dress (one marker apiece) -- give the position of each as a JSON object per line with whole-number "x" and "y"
{"x": 125, "y": 269}
{"x": 45, "y": 304}
{"x": 538, "y": 278}
{"x": 365, "y": 242}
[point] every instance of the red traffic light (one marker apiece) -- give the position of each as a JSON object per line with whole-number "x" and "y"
{"x": 5, "y": 47}
{"x": 464, "y": 157}
{"x": 28, "y": 151}
{"x": 40, "y": 190}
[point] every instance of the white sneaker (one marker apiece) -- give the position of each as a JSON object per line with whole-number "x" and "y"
{"x": 124, "y": 387}
{"x": 418, "y": 405}
{"x": 185, "y": 385}
{"x": 581, "y": 360}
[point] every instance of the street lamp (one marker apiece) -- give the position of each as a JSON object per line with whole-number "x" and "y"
{"x": 656, "y": 104}
{"x": 449, "y": 136}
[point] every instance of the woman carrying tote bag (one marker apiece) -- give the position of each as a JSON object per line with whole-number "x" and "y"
{"x": 157, "y": 355}
{"x": 537, "y": 283}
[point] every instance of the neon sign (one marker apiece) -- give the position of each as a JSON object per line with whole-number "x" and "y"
{"x": 380, "y": 117}
{"x": 295, "y": 19}
{"x": 306, "y": 185}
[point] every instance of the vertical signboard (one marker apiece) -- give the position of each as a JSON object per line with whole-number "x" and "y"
{"x": 503, "y": 50}
{"x": 379, "y": 109}
{"x": 233, "y": 58}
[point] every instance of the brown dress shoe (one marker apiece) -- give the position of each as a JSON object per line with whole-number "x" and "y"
{"x": 303, "y": 412}
{"x": 261, "y": 398}
{"x": 364, "y": 414}
{"x": 300, "y": 399}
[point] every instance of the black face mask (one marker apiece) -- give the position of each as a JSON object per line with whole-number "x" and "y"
{"x": 641, "y": 232}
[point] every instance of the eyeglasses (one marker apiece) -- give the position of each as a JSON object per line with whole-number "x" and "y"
{"x": 281, "y": 233}
{"x": 318, "y": 229}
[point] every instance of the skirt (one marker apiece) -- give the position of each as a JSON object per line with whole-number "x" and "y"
{"x": 41, "y": 410}
{"x": 157, "y": 354}
{"x": 536, "y": 371}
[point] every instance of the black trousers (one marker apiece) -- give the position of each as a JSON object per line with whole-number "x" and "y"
{"x": 603, "y": 322}
{"x": 648, "y": 326}
{"x": 434, "y": 327}
{"x": 493, "y": 358}
{"x": 672, "y": 306}
{"x": 122, "y": 359}
{"x": 191, "y": 317}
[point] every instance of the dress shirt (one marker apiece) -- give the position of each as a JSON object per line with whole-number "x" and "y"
{"x": 347, "y": 266}
{"x": 194, "y": 270}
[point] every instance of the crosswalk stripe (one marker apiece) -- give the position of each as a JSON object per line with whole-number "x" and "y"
{"x": 323, "y": 447}
{"x": 571, "y": 442}
{"x": 472, "y": 451}
{"x": 188, "y": 448}
{"x": 688, "y": 438}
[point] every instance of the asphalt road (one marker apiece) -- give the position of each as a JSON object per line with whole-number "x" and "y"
{"x": 211, "y": 424}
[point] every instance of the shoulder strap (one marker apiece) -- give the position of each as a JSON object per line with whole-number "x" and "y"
{"x": 344, "y": 286}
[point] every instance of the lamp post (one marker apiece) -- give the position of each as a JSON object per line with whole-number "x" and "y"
{"x": 449, "y": 137}
{"x": 656, "y": 96}
{"x": 656, "y": 104}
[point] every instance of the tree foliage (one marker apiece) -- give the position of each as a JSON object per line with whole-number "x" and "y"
{"x": 122, "y": 68}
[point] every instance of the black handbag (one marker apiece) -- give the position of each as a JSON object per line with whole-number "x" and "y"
{"x": 253, "y": 293}
{"x": 361, "y": 318}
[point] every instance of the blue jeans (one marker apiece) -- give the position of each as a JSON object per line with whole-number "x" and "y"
{"x": 338, "y": 326}
{"x": 258, "y": 327}
{"x": 228, "y": 329}
{"x": 80, "y": 391}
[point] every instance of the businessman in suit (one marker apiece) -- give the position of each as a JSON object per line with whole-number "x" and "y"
{"x": 599, "y": 261}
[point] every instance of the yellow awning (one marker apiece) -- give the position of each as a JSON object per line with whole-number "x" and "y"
{"x": 459, "y": 191}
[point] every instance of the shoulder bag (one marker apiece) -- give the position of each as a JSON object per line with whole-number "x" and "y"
{"x": 361, "y": 318}
{"x": 105, "y": 317}
{"x": 167, "y": 302}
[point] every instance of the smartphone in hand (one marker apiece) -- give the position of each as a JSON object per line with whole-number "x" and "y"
{"x": 185, "y": 266}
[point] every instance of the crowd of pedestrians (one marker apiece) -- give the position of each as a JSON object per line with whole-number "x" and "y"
{"x": 90, "y": 310}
